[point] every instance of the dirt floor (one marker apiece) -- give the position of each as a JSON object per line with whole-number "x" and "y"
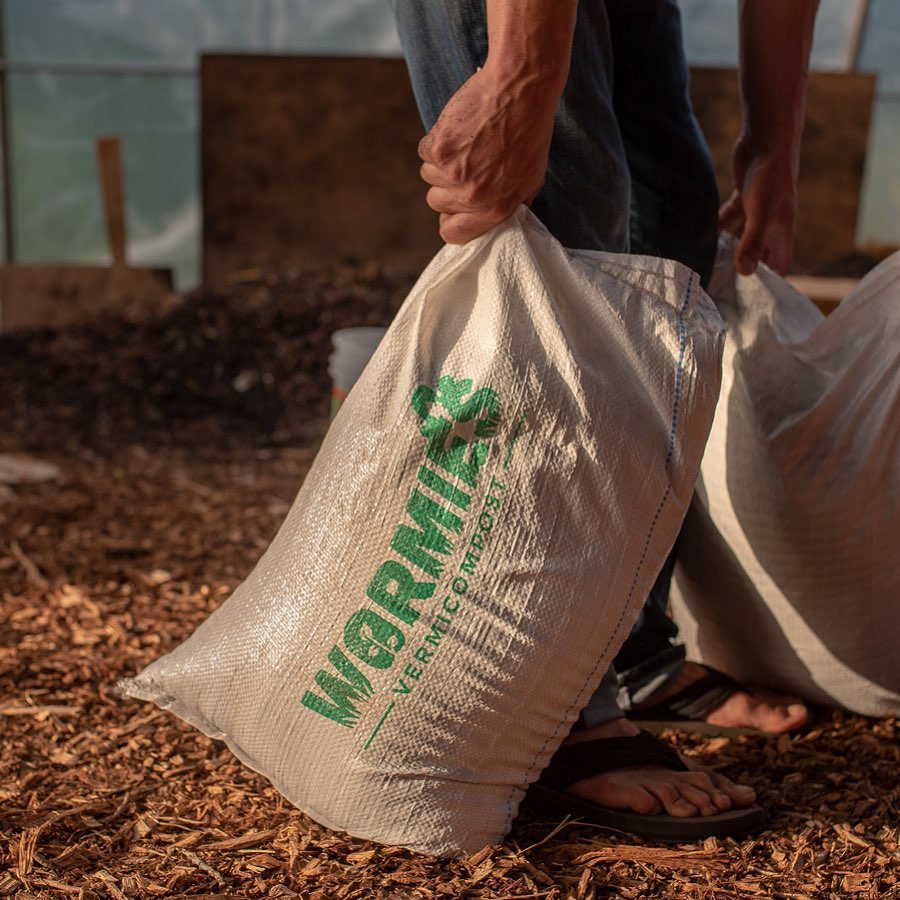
{"x": 181, "y": 442}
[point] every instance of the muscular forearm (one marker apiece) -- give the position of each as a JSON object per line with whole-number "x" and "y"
{"x": 487, "y": 153}
{"x": 776, "y": 38}
{"x": 530, "y": 43}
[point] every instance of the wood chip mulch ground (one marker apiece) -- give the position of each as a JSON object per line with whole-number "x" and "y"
{"x": 181, "y": 442}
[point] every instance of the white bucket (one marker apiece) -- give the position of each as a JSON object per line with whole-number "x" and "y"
{"x": 353, "y": 348}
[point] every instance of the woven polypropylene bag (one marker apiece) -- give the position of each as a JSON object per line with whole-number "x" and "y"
{"x": 789, "y": 563}
{"x": 487, "y": 513}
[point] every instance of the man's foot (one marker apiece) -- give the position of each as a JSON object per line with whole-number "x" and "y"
{"x": 761, "y": 710}
{"x": 652, "y": 790}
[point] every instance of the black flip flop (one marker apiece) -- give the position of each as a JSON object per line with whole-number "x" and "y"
{"x": 684, "y": 711}
{"x": 577, "y": 761}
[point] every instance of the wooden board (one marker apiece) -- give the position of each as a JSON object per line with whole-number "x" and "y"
{"x": 826, "y": 293}
{"x": 43, "y": 296}
{"x": 310, "y": 157}
{"x": 51, "y": 296}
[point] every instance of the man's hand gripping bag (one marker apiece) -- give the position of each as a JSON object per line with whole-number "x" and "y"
{"x": 484, "y": 519}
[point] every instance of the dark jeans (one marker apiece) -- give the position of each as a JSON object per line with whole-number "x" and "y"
{"x": 674, "y": 214}
{"x": 628, "y": 171}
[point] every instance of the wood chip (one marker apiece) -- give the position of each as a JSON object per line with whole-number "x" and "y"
{"x": 244, "y": 841}
{"x": 166, "y": 497}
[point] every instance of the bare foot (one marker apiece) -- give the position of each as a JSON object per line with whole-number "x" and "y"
{"x": 762, "y": 710}
{"x": 653, "y": 789}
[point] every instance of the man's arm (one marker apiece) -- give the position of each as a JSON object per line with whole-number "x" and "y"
{"x": 776, "y": 38}
{"x": 487, "y": 153}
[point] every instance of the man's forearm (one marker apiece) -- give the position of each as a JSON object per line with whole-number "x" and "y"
{"x": 776, "y": 38}
{"x": 530, "y": 42}
{"x": 488, "y": 150}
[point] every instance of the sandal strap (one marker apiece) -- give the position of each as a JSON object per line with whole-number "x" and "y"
{"x": 577, "y": 761}
{"x": 699, "y": 698}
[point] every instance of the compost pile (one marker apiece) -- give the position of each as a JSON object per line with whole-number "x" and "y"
{"x": 245, "y": 366}
{"x": 181, "y": 441}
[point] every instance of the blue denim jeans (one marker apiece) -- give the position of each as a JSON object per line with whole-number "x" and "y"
{"x": 674, "y": 194}
{"x": 585, "y": 201}
{"x": 628, "y": 171}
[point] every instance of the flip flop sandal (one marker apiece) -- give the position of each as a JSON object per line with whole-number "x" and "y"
{"x": 577, "y": 761}
{"x": 685, "y": 710}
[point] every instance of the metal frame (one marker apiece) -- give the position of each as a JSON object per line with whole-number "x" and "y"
{"x": 5, "y": 171}
{"x": 857, "y": 34}
{"x": 8, "y": 67}
{"x": 91, "y": 68}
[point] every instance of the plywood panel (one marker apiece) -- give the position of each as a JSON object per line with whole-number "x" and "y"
{"x": 52, "y": 296}
{"x": 310, "y": 157}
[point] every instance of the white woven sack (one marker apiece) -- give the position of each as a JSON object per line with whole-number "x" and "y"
{"x": 789, "y": 563}
{"x": 486, "y": 515}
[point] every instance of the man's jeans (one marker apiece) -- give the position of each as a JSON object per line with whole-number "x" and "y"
{"x": 628, "y": 171}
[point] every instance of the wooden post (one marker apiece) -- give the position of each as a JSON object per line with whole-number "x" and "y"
{"x": 109, "y": 163}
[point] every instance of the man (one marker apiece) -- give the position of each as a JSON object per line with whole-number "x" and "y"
{"x": 581, "y": 111}
{"x": 674, "y": 199}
